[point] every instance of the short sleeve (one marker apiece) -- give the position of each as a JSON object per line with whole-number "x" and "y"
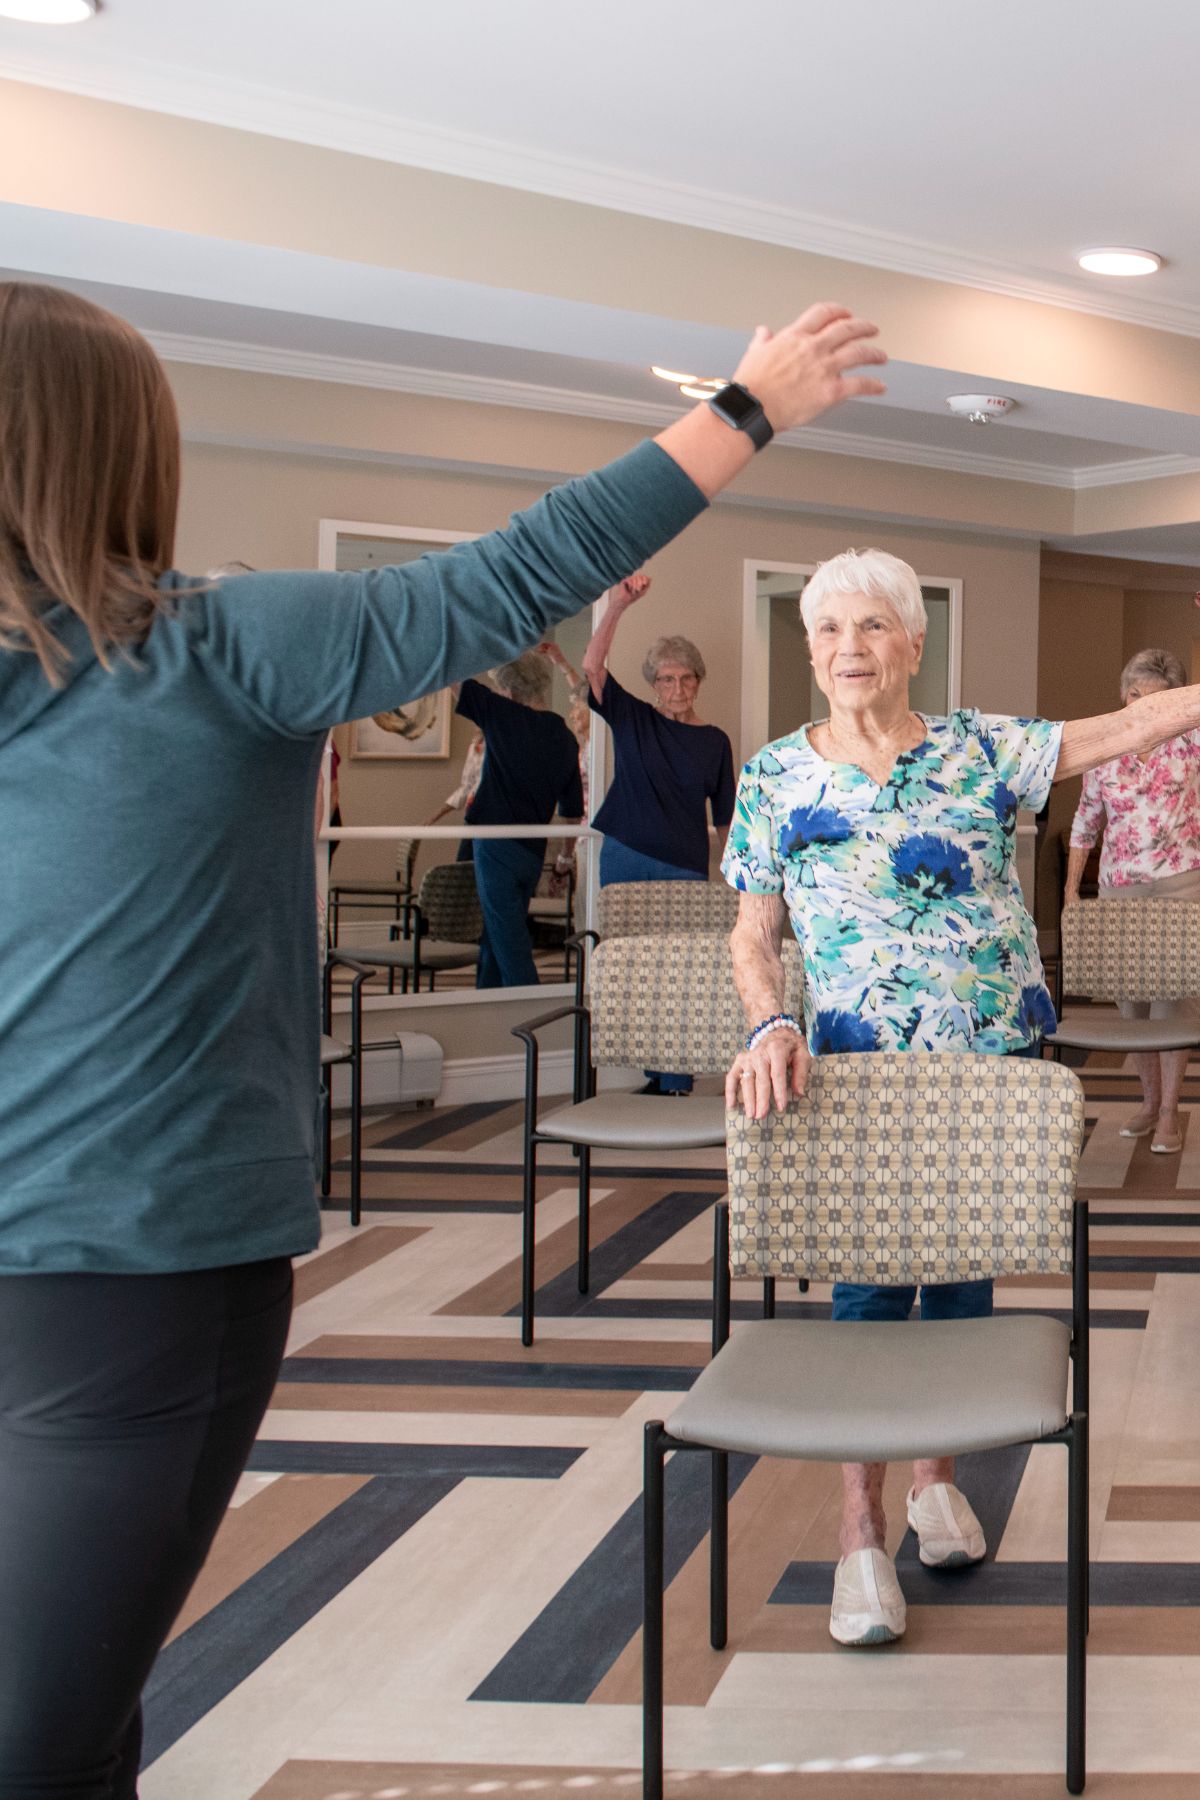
{"x": 474, "y": 701}
{"x": 614, "y": 703}
{"x": 751, "y": 861}
{"x": 722, "y": 793}
{"x": 1023, "y": 752}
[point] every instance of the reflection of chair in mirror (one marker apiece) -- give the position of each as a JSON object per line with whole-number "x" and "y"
{"x": 896, "y": 1169}
{"x": 334, "y": 1051}
{"x": 656, "y": 1002}
{"x": 1135, "y": 950}
{"x": 555, "y": 912}
{"x": 385, "y": 896}
{"x": 652, "y": 908}
{"x": 444, "y": 925}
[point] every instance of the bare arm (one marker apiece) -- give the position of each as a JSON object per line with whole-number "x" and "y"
{"x": 1077, "y": 857}
{"x": 779, "y": 1064}
{"x": 595, "y": 658}
{"x": 550, "y": 650}
{"x": 1138, "y": 727}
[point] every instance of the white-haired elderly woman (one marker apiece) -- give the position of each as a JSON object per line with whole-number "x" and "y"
{"x": 530, "y": 771}
{"x": 1148, "y": 806}
{"x": 888, "y": 837}
{"x": 669, "y": 768}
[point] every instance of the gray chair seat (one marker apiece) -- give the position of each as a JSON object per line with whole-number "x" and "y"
{"x": 639, "y": 1122}
{"x": 435, "y": 954}
{"x": 542, "y": 907}
{"x": 874, "y": 1391}
{"x": 1099, "y": 1028}
{"x": 333, "y": 1050}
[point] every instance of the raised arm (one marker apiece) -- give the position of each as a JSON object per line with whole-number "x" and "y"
{"x": 595, "y": 658}
{"x": 1137, "y": 728}
{"x": 1085, "y": 829}
{"x": 778, "y": 1064}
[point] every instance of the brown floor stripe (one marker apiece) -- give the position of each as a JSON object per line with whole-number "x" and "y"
{"x": 1154, "y": 1503}
{"x": 253, "y": 1533}
{"x": 304, "y": 1396}
{"x": 615, "y": 1352}
{"x": 369, "y": 1245}
{"x": 322, "y": 1780}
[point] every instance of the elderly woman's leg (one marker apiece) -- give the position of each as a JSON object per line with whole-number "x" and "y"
{"x": 1168, "y": 1134}
{"x": 1149, "y": 1069}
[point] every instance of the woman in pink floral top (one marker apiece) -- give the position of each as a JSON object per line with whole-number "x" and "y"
{"x": 1149, "y": 808}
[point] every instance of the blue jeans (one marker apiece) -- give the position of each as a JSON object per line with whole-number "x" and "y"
{"x": 948, "y": 1300}
{"x": 506, "y": 874}
{"x": 618, "y": 864}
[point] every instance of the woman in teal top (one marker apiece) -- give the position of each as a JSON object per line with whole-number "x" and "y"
{"x": 160, "y": 741}
{"x": 889, "y": 841}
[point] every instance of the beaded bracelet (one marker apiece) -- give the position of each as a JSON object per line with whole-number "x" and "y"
{"x": 776, "y": 1022}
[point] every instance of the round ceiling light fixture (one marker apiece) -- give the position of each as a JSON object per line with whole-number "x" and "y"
{"x": 48, "y": 12}
{"x": 1113, "y": 261}
{"x": 980, "y": 409}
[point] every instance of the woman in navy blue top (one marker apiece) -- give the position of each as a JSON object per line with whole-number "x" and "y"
{"x": 668, "y": 768}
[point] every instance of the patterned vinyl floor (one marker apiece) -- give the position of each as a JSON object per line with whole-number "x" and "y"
{"x": 428, "y": 1583}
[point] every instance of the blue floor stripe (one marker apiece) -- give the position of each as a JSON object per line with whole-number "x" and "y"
{"x": 418, "y": 1372}
{"x": 577, "y": 1637}
{"x": 626, "y": 1249}
{"x": 426, "y": 1461}
{"x": 440, "y": 1123}
{"x": 206, "y": 1663}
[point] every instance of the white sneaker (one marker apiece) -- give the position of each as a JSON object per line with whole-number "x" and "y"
{"x": 948, "y": 1532}
{"x": 868, "y": 1607}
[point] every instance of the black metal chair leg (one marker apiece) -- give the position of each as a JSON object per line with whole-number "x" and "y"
{"x": 585, "y": 1219}
{"x": 652, "y": 1611}
{"x": 718, "y": 1566}
{"x": 527, "y": 1242}
{"x": 769, "y": 1297}
{"x": 326, "y": 1137}
{"x": 356, "y": 1128}
{"x": 1077, "y": 1586}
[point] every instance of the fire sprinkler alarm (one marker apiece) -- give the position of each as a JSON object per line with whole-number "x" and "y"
{"x": 980, "y": 409}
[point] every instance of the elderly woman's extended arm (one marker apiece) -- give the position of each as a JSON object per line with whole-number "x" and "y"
{"x": 778, "y": 1065}
{"x": 1138, "y": 727}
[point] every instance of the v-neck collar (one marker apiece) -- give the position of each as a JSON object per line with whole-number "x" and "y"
{"x": 899, "y": 766}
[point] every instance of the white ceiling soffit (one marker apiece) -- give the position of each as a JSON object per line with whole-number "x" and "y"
{"x": 954, "y": 142}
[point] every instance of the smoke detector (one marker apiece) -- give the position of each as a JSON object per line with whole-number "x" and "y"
{"x": 980, "y": 409}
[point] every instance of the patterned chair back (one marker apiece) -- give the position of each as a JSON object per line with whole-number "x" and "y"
{"x": 1132, "y": 949}
{"x": 663, "y": 908}
{"x": 449, "y": 903}
{"x": 908, "y": 1167}
{"x": 406, "y": 856}
{"x": 671, "y": 1003}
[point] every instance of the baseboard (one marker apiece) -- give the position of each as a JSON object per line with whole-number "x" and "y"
{"x": 467, "y": 1079}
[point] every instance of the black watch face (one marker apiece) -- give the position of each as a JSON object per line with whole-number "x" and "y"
{"x": 737, "y": 405}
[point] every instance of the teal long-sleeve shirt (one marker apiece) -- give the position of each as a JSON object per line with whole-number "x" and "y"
{"x": 159, "y": 1012}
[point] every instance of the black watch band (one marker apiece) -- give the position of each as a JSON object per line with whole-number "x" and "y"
{"x": 738, "y": 407}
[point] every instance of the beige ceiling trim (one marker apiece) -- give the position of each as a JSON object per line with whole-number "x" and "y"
{"x": 312, "y": 120}
{"x": 493, "y": 391}
{"x": 65, "y": 153}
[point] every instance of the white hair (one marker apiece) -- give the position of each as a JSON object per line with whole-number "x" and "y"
{"x": 673, "y": 649}
{"x": 873, "y": 572}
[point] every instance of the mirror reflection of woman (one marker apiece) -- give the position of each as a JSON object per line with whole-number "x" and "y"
{"x": 1148, "y": 804}
{"x": 669, "y": 768}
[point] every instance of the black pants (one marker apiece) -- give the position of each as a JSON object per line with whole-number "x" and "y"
{"x": 128, "y": 1406}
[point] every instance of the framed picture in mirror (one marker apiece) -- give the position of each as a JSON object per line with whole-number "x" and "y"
{"x": 420, "y": 729}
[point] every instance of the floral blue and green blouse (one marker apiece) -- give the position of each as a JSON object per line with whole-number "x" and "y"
{"x": 904, "y": 898}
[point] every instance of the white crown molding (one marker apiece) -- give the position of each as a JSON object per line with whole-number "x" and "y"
{"x": 271, "y": 112}
{"x": 479, "y": 390}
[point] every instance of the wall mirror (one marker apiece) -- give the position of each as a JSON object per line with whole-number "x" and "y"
{"x": 406, "y": 768}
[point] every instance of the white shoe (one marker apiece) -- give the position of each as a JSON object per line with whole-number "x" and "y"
{"x": 868, "y": 1606}
{"x": 948, "y": 1532}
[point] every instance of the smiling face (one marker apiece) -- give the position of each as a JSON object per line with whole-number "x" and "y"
{"x": 862, "y": 656}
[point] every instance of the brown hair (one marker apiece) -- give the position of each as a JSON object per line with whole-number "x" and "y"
{"x": 89, "y": 473}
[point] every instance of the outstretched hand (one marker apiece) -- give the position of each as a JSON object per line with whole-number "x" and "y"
{"x": 801, "y": 371}
{"x": 775, "y": 1070}
{"x": 627, "y": 592}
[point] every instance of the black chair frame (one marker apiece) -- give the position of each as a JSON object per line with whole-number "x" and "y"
{"x": 354, "y": 1058}
{"x": 658, "y": 1443}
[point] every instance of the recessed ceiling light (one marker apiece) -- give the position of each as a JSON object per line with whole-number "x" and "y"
{"x": 695, "y": 387}
{"x": 675, "y": 375}
{"x": 1120, "y": 262}
{"x": 48, "y": 12}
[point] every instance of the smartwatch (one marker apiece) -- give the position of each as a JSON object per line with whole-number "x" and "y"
{"x": 738, "y": 407}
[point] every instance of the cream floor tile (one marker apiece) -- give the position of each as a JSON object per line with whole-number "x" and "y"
{"x": 1037, "y": 1524}
{"x": 428, "y": 1428}
{"x": 1144, "y": 1540}
{"x": 1105, "y": 1159}
{"x": 1162, "y": 1438}
{"x": 666, "y": 1331}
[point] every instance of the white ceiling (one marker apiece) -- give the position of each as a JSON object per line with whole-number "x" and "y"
{"x": 984, "y": 143}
